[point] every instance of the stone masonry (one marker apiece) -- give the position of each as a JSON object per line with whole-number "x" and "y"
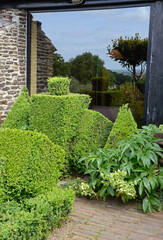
{"x": 12, "y": 57}
{"x": 45, "y": 59}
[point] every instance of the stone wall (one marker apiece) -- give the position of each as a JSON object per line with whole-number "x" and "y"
{"x": 45, "y": 59}
{"x": 12, "y": 57}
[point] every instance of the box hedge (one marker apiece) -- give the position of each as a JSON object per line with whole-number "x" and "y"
{"x": 18, "y": 116}
{"x": 124, "y": 125}
{"x": 109, "y": 98}
{"x": 34, "y": 218}
{"x": 57, "y": 116}
{"x": 30, "y": 163}
{"x": 92, "y": 133}
{"x": 58, "y": 85}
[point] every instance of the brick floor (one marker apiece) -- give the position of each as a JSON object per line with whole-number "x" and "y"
{"x": 111, "y": 220}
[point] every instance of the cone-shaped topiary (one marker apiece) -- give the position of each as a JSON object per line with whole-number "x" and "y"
{"x": 123, "y": 126}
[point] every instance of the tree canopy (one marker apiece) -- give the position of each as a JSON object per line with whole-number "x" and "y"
{"x": 130, "y": 53}
{"x": 86, "y": 66}
{"x": 61, "y": 68}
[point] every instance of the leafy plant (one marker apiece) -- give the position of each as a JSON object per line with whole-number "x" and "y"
{"x": 81, "y": 188}
{"x": 138, "y": 156}
{"x": 123, "y": 127}
{"x": 114, "y": 184}
{"x": 161, "y": 128}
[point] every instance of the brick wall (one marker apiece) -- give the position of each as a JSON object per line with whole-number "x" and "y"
{"x": 12, "y": 56}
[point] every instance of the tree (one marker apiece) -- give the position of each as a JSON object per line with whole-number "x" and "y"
{"x": 131, "y": 53}
{"x": 61, "y": 68}
{"x": 86, "y": 66}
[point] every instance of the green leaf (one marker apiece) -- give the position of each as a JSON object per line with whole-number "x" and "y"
{"x": 111, "y": 191}
{"x": 102, "y": 191}
{"x": 141, "y": 188}
{"x": 145, "y": 204}
{"x": 146, "y": 184}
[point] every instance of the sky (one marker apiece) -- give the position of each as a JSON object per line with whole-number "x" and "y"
{"x": 74, "y": 33}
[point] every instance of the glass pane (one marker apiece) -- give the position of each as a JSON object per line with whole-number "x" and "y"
{"x": 104, "y": 52}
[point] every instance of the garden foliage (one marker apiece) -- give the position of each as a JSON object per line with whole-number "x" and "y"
{"x": 18, "y": 116}
{"x": 81, "y": 188}
{"x": 34, "y": 218}
{"x": 123, "y": 126}
{"x": 92, "y": 133}
{"x": 137, "y": 155}
{"x": 57, "y": 116}
{"x": 30, "y": 164}
{"x": 58, "y": 85}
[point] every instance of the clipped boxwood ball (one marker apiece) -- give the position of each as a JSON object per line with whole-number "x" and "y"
{"x": 30, "y": 163}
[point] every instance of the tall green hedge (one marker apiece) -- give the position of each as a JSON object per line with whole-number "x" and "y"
{"x": 123, "y": 126}
{"x": 35, "y": 218}
{"x": 30, "y": 163}
{"x": 18, "y": 116}
{"x": 92, "y": 133}
{"x": 57, "y": 116}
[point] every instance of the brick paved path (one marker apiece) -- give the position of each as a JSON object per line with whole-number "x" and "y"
{"x": 110, "y": 220}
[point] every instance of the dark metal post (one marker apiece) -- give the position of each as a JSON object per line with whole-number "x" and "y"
{"x": 154, "y": 82}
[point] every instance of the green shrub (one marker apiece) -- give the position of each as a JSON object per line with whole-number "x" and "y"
{"x": 58, "y": 85}
{"x": 115, "y": 182}
{"x": 113, "y": 98}
{"x": 123, "y": 126}
{"x": 18, "y": 116}
{"x": 34, "y": 218}
{"x": 137, "y": 155}
{"x": 92, "y": 133}
{"x": 57, "y": 116}
{"x": 81, "y": 188}
{"x": 161, "y": 128}
{"x": 30, "y": 163}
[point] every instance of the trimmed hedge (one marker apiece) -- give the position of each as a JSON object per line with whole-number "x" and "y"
{"x": 92, "y": 133}
{"x": 58, "y": 85}
{"x": 110, "y": 98}
{"x": 18, "y": 116}
{"x": 36, "y": 217}
{"x": 123, "y": 126}
{"x": 30, "y": 163}
{"x": 57, "y": 116}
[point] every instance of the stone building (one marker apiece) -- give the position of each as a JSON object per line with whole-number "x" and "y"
{"x": 13, "y": 55}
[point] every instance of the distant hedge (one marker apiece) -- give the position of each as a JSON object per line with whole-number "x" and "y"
{"x": 34, "y": 218}
{"x": 57, "y": 116}
{"x": 92, "y": 133}
{"x": 18, "y": 116}
{"x": 30, "y": 163}
{"x": 106, "y": 98}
